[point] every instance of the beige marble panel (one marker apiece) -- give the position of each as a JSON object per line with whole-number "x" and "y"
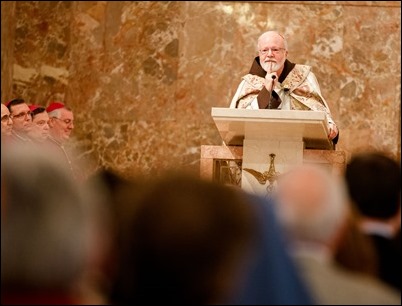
{"x": 7, "y": 48}
{"x": 41, "y": 50}
{"x": 142, "y": 77}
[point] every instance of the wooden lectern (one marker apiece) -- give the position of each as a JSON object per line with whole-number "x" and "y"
{"x": 271, "y": 141}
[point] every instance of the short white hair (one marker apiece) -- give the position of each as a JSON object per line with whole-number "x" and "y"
{"x": 269, "y": 33}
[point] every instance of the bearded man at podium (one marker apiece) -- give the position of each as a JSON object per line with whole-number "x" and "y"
{"x": 274, "y": 82}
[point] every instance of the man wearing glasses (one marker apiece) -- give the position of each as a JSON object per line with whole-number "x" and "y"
{"x": 61, "y": 124}
{"x": 274, "y": 82}
{"x": 22, "y": 120}
{"x": 61, "y": 121}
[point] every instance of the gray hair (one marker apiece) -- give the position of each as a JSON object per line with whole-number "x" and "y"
{"x": 57, "y": 112}
{"x": 48, "y": 220}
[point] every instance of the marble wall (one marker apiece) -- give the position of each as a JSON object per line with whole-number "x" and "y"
{"x": 7, "y": 48}
{"x": 142, "y": 77}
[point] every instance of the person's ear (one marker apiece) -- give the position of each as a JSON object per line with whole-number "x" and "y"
{"x": 51, "y": 122}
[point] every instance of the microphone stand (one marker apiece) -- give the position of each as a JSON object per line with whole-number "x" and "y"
{"x": 270, "y": 92}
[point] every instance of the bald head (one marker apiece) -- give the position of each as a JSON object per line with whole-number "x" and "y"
{"x": 311, "y": 204}
{"x": 4, "y": 109}
{"x": 6, "y": 121}
{"x": 273, "y": 36}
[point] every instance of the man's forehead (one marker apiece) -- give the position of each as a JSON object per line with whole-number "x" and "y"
{"x": 41, "y": 116}
{"x": 19, "y": 108}
{"x": 272, "y": 38}
{"x": 66, "y": 113}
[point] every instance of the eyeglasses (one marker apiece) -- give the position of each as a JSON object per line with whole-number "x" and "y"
{"x": 6, "y": 118}
{"x": 273, "y": 50}
{"x": 66, "y": 121}
{"x": 21, "y": 115}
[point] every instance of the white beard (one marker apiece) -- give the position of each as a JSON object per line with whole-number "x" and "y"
{"x": 271, "y": 66}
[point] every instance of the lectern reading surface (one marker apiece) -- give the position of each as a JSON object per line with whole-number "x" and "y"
{"x": 234, "y": 125}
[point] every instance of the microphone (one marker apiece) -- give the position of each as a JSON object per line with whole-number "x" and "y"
{"x": 273, "y": 77}
{"x": 273, "y": 80}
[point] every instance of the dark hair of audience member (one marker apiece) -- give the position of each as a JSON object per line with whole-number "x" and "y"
{"x": 188, "y": 242}
{"x": 13, "y": 102}
{"x": 38, "y": 110}
{"x": 374, "y": 178}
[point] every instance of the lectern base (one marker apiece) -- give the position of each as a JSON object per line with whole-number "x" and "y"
{"x": 257, "y": 157}
{"x": 226, "y": 164}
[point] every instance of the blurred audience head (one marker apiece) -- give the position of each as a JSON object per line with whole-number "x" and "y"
{"x": 188, "y": 242}
{"x": 374, "y": 184}
{"x": 50, "y": 230}
{"x": 313, "y": 209}
{"x": 312, "y": 206}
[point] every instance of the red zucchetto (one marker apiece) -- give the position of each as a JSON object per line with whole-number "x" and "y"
{"x": 33, "y": 107}
{"x": 54, "y": 105}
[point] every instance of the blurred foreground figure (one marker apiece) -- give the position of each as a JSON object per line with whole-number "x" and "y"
{"x": 197, "y": 242}
{"x": 374, "y": 185}
{"x": 49, "y": 230}
{"x": 272, "y": 277}
{"x": 187, "y": 243}
{"x": 312, "y": 207}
